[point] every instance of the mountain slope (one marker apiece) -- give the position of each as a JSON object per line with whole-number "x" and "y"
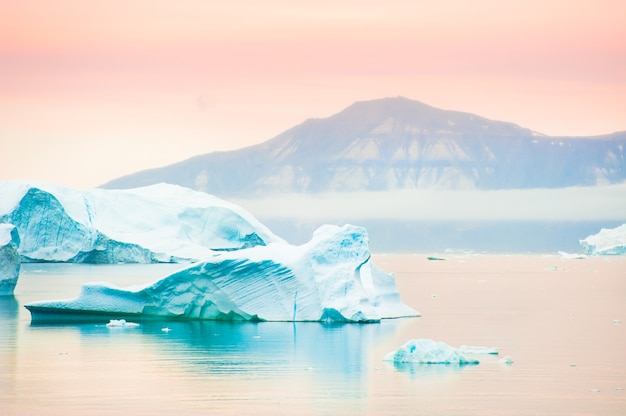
{"x": 397, "y": 143}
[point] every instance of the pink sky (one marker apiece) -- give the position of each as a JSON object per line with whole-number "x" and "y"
{"x": 92, "y": 90}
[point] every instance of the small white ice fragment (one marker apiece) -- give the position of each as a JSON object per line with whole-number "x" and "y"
{"x": 166, "y": 329}
{"x": 469, "y": 349}
{"x": 121, "y": 323}
{"x": 617, "y": 321}
{"x": 565, "y": 255}
{"x": 507, "y": 360}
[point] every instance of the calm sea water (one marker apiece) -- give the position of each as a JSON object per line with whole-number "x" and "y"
{"x": 558, "y": 319}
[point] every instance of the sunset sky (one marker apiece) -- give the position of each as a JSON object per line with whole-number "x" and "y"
{"x": 92, "y": 90}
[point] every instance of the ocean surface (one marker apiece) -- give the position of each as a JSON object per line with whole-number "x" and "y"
{"x": 562, "y": 321}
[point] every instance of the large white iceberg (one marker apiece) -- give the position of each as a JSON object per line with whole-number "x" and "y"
{"x": 606, "y": 242}
{"x": 159, "y": 223}
{"x": 428, "y": 351}
{"x": 331, "y": 278}
{"x": 9, "y": 259}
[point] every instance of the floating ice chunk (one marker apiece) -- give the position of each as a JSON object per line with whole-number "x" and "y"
{"x": 428, "y": 351}
{"x": 330, "y": 279}
{"x": 468, "y": 349}
{"x": 506, "y": 360}
{"x": 121, "y": 323}
{"x": 166, "y": 329}
{"x": 9, "y": 259}
{"x": 606, "y": 242}
{"x": 435, "y": 258}
{"x": 565, "y": 255}
{"x": 617, "y": 321}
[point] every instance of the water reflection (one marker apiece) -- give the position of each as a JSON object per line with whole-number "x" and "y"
{"x": 262, "y": 348}
{"x": 308, "y": 365}
{"x": 427, "y": 371}
{"x": 8, "y": 309}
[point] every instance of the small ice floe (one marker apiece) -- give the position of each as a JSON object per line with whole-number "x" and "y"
{"x": 428, "y": 351}
{"x": 617, "y": 321}
{"x": 506, "y": 360}
{"x": 572, "y": 364}
{"x": 121, "y": 323}
{"x": 166, "y": 329}
{"x": 619, "y": 388}
{"x": 594, "y": 390}
{"x": 435, "y": 258}
{"x": 566, "y": 255}
{"x": 469, "y": 349}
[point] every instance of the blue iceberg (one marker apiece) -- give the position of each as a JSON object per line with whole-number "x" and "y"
{"x": 9, "y": 259}
{"x": 329, "y": 279}
{"x": 158, "y": 223}
{"x": 607, "y": 242}
{"x": 428, "y": 351}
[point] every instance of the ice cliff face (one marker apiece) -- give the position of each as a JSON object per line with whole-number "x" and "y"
{"x": 159, "y": 223}
{"x": 9, "y": 259}
{"x": 606, "y": 242}
{"x": 331, "y": 278}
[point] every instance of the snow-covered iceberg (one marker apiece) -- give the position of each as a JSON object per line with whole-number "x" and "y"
{"x": 606, "y": 242}
{"x": 428, "y": 351}
{"x": 9, "y": 259}
{"x": 159, "y": 223}
{"x": 331, "y": 278}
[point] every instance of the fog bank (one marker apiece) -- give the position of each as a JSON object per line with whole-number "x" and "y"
{"x": 564, "y": 204}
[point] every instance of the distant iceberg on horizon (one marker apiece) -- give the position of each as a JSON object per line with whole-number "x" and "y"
{"x": 152, "y": 224}
{"x": 606, "y": 242}
{"x": 329, "y": 279}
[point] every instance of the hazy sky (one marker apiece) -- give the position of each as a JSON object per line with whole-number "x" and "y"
{"x": 92, "y": 90}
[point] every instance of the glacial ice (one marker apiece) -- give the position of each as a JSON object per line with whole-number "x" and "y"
{"x": 158, "y": 223}
{"x": 121, "y": 323}
{"x": 606, "y": 242}
{"x": 428, "y": 351}
{"x": 506, "y": 360}
{"x": 9, "y": 259}
{"x": 329, "y": 279}
{"x": 473, "y": 349}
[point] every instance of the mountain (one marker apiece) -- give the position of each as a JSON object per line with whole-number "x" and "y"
{"x": 397, "y": 143}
